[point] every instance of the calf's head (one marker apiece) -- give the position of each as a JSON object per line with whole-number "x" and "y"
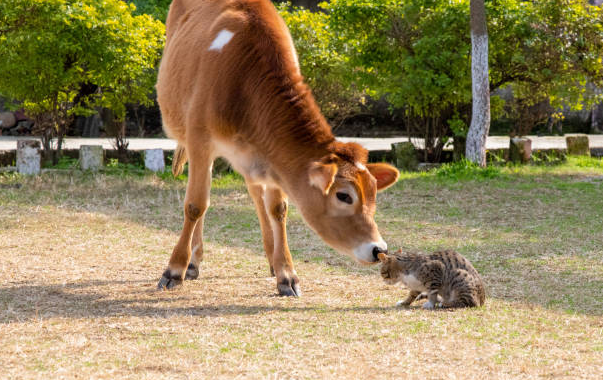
{"x": 341, "y": 204}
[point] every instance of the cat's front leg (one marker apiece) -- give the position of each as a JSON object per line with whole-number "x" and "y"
{"x": 412, "y": 296}
{"x": 432, "y": 300}
{"x": 433, "y": 273}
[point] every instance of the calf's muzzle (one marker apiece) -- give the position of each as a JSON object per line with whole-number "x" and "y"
{"x": 377, "y": 251}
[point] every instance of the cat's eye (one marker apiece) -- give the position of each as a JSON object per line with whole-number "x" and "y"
{"x": 344, "y": 197}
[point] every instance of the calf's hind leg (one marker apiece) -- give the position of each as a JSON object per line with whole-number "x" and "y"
{"x": 196, "y": 203}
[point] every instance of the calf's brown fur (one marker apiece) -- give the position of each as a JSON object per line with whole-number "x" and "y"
{"x": 229, "y": 86}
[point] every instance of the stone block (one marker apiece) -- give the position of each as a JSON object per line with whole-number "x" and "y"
{"x": 520, "y": 150}
{"x": 577, "y": 145}
{"x": 91, "y": 157}
{"x": 7, "y": 120}
{"x": 154, "y": 160}
{"x": 405, "y": 156}
{"x": 28, "y": 157}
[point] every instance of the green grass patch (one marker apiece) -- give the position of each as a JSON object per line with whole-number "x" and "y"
{"x": 467, "y": 170}
{"x": 66, "y": 163}
{"x": 585, "y": 162}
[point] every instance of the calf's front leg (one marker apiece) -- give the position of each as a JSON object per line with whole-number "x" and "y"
{"x": 287, "y": 282}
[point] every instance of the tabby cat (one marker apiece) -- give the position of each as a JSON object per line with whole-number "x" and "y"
{"x": 446, "y": 274}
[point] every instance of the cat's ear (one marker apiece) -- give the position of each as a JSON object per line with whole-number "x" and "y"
{"x": 382, "y": 257}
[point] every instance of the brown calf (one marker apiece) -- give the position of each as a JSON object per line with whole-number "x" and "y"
{"x": 230, "y": 86}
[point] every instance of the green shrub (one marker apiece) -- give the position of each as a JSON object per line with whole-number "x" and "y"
{"x": 586, "y": 161}
{"x": 156, "y": 8}
{"x": 50, "y": 50}
{"x": 67, "y": 163}
{"x": 467, "y": 170}
{"x": 322, "y": 61}
{"x": 551, "y": 157}
{"x": 416, "y": 53}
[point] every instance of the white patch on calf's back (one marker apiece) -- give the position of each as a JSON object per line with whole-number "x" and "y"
{"x": 223, "y": 37}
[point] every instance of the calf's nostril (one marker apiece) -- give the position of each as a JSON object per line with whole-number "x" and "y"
{"x": 376, "y": 251}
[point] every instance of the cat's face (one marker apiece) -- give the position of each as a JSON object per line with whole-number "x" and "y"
{"x": 391, "y": 269}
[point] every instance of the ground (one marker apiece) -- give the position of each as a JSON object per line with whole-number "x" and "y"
{"x": 81, "y": 255}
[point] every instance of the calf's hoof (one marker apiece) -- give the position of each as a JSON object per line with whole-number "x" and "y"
{"x": 168, "y": 281}
{"x": 289, "y": 287}
{"x": 192, "y": 272}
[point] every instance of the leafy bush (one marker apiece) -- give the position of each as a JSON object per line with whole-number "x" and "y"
{"x": 66, "y": 163}
{"x": 586, "y": 162}
{"x": 322, "y": 61}
{"x": 467, "y": 170}
{"x": 156, "y": 8}
{"x": 416, "y": 53}
{"x": 61, "y": 58}
{"x": 552, "y": 157}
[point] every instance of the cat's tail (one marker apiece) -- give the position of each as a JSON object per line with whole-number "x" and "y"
{"x": 179, "y": 160}
{"x": 481, "y": 292}
{"x": 458, "y": 304}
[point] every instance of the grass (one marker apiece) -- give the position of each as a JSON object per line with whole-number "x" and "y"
{"x": 81, "y": 254}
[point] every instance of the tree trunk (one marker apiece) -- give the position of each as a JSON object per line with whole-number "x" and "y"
{"x": 59, "y": 151}
{"x": 480, "y": 117}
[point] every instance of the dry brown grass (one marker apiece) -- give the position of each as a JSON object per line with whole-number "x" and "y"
{"x": 81, "y": 255}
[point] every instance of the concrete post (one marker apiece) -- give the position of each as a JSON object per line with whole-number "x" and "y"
{"x": 28, "y": 157}
{"x": 153, "y": 160}
{"x": 577, "y": 145}
{"x": 520, "y": 150}
{"x": 91, "y": 157}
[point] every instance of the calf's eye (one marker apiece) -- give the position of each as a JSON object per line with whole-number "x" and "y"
{"x": 344, "y": 197}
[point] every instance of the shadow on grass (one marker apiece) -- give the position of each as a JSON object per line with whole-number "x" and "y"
{"x": 23, "y": 303}
{"x": 75, "y": 300}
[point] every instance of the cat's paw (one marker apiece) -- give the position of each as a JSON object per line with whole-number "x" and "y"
{"x": 402, "y": 304}
{"x": 428, "y": 305}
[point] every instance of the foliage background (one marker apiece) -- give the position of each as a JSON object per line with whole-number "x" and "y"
{"x": 411, "y": 55}
{"x": 62, "y": 58}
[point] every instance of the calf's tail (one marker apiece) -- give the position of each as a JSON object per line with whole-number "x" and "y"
{"x": 179, "y": 160}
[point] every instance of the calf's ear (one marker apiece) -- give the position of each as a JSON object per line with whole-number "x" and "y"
{"x": 385, "y": 174}
{"x": 322, "y": 175}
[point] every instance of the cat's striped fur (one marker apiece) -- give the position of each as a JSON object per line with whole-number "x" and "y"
{"x": 446, "y": 274}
